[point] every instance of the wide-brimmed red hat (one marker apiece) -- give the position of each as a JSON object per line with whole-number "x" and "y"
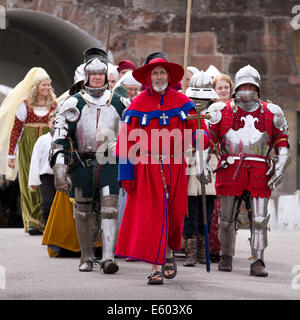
{"x": 176, "y": 71}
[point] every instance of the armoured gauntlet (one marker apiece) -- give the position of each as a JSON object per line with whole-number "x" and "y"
{"x": 280, "y": 164}
{"x": 62, "y": 180}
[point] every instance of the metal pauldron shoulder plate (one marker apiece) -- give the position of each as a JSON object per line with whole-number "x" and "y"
{"x": 279, "y": 120}
{"x": 70, "y": 110}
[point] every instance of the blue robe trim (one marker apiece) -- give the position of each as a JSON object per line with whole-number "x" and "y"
{"x": 194, "y": 138}
{"x": 163, "y": 116}
{"x": 126, "y": 170}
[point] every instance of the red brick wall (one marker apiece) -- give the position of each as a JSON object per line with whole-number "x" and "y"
{"x": 225, "y": 33}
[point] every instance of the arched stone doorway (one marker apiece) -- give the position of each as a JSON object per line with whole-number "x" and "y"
{"x": 39, "y": 39}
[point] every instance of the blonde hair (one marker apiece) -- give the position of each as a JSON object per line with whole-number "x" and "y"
{"x": 224, "y": 77}
{"x": 33, "y": 95}
{"x": 8, "y": 111}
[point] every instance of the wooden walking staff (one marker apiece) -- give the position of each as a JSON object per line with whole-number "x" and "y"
{"x": 107, "y": 48}
{"x": 199, "y": 116}
{"x": 187, "y": 42}
{"x": 108, "y": 36}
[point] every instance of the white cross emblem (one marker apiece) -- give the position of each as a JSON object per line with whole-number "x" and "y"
{"x": 164, "y": 118}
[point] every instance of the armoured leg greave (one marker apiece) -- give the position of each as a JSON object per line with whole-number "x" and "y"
{"x": 259, "y": 227}
{"x": 227, "y": 225}
{"x": 109, "y": 225}
{"x": 109, "y": 229}
{"x": 86, "y": 226}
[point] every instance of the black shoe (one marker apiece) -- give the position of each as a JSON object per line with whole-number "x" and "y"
{"x": 34, "y": 231}
{"x": 159, "y": 278}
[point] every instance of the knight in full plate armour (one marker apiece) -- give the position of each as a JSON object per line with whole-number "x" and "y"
{"x": 85, "y": 133}
{"x": 249, "y": 131}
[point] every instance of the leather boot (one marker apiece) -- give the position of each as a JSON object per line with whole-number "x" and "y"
{"x": 258, "y": 269}
{"x": 201, "y": 256}
{"x": 225, "y": 263}
{"x": 190, "y": 246}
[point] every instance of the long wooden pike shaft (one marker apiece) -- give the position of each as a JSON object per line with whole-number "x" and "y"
{"x": 187, "y": 42}
{"x": 202, "y": 182}
{"x": 108, "y": 36}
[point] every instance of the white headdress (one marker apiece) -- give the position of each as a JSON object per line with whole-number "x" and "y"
{"x": 213, "y": 71}
{"x": 192, "y": 69}
{"x": 128, "y": 79}
{"x": 112, "y": 69}
{"x": 8, "y": 111}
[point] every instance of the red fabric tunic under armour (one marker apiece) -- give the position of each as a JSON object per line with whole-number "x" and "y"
{"x": 252, "y": 174}
{"x": 151, "y": 221}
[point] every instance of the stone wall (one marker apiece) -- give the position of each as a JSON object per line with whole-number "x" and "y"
{"x": 226, "y": 33}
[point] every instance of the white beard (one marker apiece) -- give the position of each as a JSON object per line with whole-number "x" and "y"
{"x": 159, "y": 87}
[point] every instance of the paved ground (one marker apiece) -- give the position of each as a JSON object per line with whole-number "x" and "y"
{"x": 27, "y": 272}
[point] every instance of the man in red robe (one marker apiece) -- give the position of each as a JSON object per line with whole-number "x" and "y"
{"x": 150, "y": 146}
